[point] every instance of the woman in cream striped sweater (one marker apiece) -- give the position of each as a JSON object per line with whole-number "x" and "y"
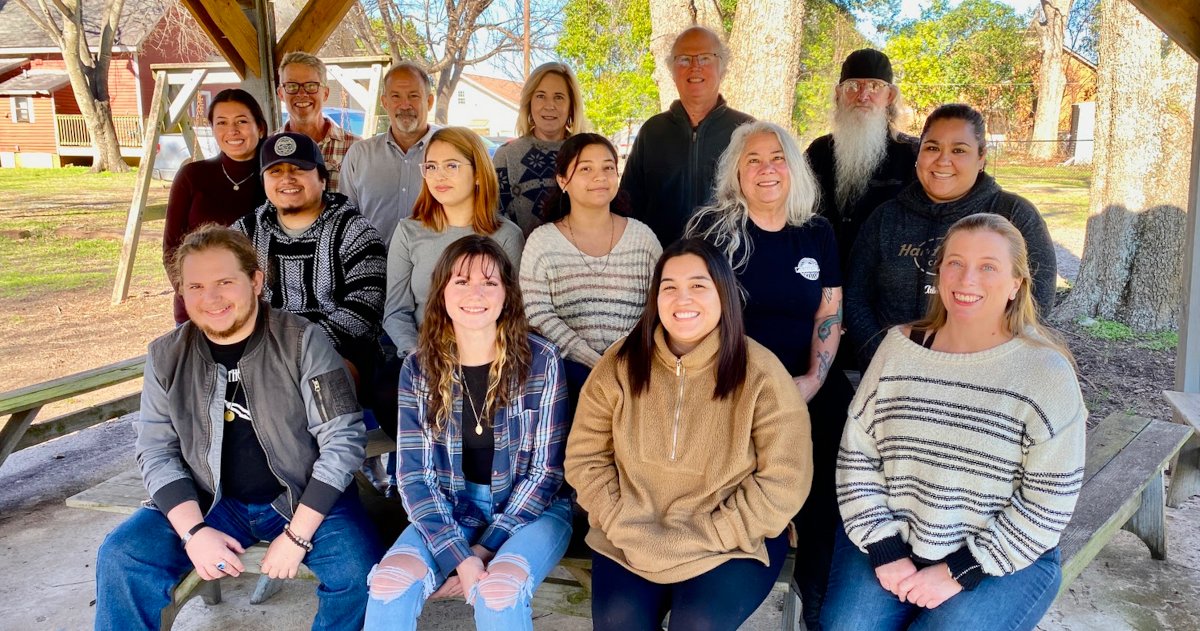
{"x": 962, "y": 455}
{"x": 585, "y": 272}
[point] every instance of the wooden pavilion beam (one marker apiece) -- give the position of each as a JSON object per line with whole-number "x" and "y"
{"x": 226, "y": 24}
{"x": 314, "y": 24}
{"x": 1179, "y": 19}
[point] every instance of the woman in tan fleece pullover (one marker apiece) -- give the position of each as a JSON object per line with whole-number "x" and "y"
{"x": 690, "y": 451}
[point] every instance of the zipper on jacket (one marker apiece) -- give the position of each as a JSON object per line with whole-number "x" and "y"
{"x": 679, "y": 372}
{"x": 316, "y": 386}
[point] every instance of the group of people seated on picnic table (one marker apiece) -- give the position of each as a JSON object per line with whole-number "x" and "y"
{"x": 518, "y": 327}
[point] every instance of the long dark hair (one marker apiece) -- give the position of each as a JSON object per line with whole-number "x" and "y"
{"x": 557, "y": 204}
{"x": 438, "y": 349}
{"x": 238, "y": 95}
{"x": 638, "y": 348}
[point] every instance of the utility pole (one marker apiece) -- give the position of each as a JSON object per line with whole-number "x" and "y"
{"x": 526, "y": 46}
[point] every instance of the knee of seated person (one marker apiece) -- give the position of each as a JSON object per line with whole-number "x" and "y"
{"x": 400, "y": 569}
{"x": 507, "y": 581}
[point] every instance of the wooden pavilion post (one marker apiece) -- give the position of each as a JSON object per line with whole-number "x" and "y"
{"x": 1185, "y": 470}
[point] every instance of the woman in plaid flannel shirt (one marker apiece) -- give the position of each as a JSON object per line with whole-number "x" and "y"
{"x": 482, "y": 433}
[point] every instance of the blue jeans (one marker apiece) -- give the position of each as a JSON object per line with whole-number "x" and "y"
{"x": 535, "y": 549}
{"x": 856, "y": 600}
{"x": 140, "y": 562}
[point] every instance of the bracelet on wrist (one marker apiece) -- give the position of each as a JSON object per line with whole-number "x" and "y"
{"x": 297, "y": 539}
{"x": 194, "y": 529}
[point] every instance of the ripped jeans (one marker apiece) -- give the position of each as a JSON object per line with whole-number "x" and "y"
{"x": 501, "y": 601}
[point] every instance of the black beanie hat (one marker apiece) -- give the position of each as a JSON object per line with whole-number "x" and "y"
{"x": 867, "y": 63}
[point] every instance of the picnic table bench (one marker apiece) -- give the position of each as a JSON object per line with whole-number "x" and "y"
{"x": 570, "y": 595}
{"x": 1123, "y": 488}
{"x": 1185, "y": 471}
{"x": 21, "y": 406}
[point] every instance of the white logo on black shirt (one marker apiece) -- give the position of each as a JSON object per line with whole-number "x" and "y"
{"x": 808, "y": 268}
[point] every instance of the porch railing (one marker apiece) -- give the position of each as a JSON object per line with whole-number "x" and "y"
{"x": 72, "y": 131}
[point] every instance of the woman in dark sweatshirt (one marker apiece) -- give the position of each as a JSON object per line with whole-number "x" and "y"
{"x": 891, "y": 277}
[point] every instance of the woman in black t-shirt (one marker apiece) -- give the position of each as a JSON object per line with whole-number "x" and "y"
{"x": 786, "y": 259}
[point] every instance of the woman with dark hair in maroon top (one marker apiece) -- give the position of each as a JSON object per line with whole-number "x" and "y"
{"x": 223, "y": 188}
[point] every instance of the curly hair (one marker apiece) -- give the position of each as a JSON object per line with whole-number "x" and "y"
{"x": 437, "y": 347}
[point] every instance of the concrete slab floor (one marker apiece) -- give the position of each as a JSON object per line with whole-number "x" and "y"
{"x": 47, "y": 556}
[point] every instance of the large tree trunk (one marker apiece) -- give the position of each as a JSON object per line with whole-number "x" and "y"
{"x": 765, "y": 29}
{"x": 1052, "y": 80}
{"x": 667, "y": 19}
{"x": 1133, "y": 252}
{"x": 447, "y": 81}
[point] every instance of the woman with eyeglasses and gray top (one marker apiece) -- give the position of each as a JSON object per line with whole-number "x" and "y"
{"x": 459, "y": 197}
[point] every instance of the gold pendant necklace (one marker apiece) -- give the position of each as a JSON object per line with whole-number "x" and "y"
{"x": 229, "y": 416}
{"x": 462, "y": 380}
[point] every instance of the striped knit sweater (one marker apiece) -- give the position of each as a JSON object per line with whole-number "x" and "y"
{"x": 975, "y": 459}
{"x": 333, "y": 274}
{"x": 580, "y": 302}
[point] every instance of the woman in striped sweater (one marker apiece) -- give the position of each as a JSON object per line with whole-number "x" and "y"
{"x": 962, "y": 456}
{"x": 585, "y": 272}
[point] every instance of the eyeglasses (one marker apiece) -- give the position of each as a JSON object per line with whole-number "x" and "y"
{"x": 866, "y": 86}
{"x": 702, "y": 60}
{"x": 451, "y": 168}
{"x": 310, "y": 87}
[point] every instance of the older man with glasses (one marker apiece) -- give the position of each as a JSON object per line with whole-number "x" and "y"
{"x": 672, "y": 166}
{"x": 866, "y": 160}
{"x": 303, "y": 87}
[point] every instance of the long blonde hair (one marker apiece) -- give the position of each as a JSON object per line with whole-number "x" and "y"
{"x": 576, "y": 120}
{"x": 437, "y": 347}
{"x": 1020, "y": 314}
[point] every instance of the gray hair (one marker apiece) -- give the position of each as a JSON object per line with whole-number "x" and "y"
{"x": 413, "y": 67}
{"x": 304, "y": 59}
{"x": 723, "y": 222}
{"x": 723, "y": 55}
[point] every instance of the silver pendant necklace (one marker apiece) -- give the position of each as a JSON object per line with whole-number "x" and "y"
{"x": 612, "y": 239}
{"x": 236, "y": 185}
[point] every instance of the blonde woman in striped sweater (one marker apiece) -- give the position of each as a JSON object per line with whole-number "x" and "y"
{"x": 585, "y": 272}
{"x": 962, "y": 456}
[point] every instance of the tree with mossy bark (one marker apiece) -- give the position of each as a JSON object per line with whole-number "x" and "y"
{"x": 1133, "y": 252}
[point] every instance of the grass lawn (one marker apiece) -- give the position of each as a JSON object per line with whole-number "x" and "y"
{"x": 61, "y": 229}
{"x": 1060, "y": 193}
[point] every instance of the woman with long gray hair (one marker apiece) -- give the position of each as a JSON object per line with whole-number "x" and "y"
{"x": 786, "y": 260}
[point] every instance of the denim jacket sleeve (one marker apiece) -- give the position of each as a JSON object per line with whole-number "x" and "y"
{"x": 533, "y": 492}
{"x": 167, "y": 478}
{"x": 334, "y": 420}
{"x": 428, "y": 508}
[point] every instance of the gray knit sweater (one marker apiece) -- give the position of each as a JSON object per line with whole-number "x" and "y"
{"x": 414, "y": 252}
{"x": 585, "y": 303}
{"x": 525, "y": 168}
{"x": 975, "y": 459}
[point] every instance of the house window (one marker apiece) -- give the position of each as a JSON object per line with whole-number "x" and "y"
{"x": 22, "y": 109}
{"x": 462, "y": 97}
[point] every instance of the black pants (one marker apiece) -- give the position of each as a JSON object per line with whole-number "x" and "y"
{"x": 720, "y": 599}
{"x": 819, "y": 519}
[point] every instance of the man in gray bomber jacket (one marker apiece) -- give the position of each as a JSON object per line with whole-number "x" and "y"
{"x": 249, "y": 431}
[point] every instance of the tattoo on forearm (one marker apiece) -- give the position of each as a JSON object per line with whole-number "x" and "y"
{"x": 824, "y": 361}
{"x": 826, "y": 327}
{"x": 827, "y": 293}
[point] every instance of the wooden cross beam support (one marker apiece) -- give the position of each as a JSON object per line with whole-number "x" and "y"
{"x": 163, "y": 110}
{"x": 314, "y": 24}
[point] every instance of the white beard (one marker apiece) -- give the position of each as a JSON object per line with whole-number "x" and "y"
{"x": 859, "y": 145}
